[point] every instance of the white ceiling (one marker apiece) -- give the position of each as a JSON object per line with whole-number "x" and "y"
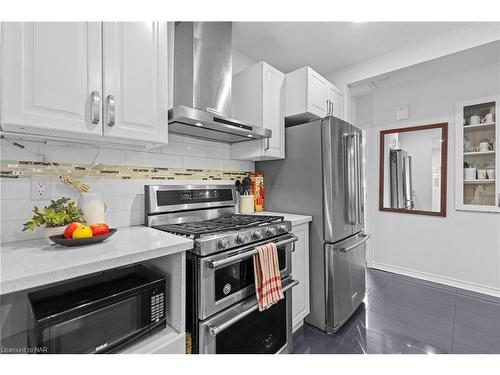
{"x": 457, "y": 62}
{"x": 328, "y": 46}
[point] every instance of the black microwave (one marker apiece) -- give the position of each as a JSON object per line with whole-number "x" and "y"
{"x": 99, "y": 314}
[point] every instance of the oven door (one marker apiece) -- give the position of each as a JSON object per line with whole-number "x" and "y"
{"x": 227, "y": 278}
{"x": 243, "y": 329}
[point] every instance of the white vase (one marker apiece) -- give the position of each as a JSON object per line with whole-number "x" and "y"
{"x": 53, "y": 231}
{"x": 93, "y": 207}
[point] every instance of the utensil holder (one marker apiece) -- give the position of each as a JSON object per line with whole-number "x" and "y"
{"x": 247, "y": 204}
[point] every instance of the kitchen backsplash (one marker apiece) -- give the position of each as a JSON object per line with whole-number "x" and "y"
{"x": 119, "y": 175}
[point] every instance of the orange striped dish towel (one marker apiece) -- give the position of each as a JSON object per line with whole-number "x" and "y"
{"x": 267, "y": 276}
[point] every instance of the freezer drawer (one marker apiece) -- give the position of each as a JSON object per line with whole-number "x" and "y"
{"x": 345, "y": 263}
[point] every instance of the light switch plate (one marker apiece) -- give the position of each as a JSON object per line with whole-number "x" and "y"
{"x": 402, "y": 112}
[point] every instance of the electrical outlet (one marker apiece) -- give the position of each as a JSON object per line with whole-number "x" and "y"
{"x": 40, "y": 189}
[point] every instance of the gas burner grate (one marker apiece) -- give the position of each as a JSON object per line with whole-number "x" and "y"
{"x": 225, "y": 223}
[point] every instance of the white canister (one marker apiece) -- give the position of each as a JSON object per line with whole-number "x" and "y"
{"x": 247, "y": 204}
{"x": 93, "y": 208}
{"x": 474, "y": 120}
{"x": 470, "y": 173}
{"x": 491, "y": 174}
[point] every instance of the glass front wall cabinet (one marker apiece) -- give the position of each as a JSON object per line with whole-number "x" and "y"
{"x": 477, "y": 160}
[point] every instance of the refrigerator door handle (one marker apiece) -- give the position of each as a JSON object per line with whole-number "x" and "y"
{"x": 359, "y": 190}
{"x": 356, "y": 177}
{"x": 351, "y": 247}
{"x": 350, "y": 180}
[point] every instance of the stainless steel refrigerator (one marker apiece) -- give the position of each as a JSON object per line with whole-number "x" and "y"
{"x": 321, "y": 176}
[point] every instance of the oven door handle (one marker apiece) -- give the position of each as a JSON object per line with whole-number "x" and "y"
{"x": 216, "y": 329}
{"x": 248, "y": 254}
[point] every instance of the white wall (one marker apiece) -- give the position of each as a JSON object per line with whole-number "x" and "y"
{"x": 241, "y": 61}
{"x": 462, "y": 249}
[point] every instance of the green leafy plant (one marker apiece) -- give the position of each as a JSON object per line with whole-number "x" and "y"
{"x": 60, "y": 212}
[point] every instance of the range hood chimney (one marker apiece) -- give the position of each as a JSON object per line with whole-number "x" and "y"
{"x": 202, "y": 85}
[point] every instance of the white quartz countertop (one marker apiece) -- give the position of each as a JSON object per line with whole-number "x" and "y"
{"x": 295, "y": 219}
{"x": 32, "y": 263}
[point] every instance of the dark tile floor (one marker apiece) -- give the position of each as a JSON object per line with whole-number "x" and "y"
{"x": 411, "y": 316}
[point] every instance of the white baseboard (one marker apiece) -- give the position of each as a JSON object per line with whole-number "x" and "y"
{"x": 474, "y": 287}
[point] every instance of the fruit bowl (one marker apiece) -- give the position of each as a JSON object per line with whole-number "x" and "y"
{"x": 70, "y": 242}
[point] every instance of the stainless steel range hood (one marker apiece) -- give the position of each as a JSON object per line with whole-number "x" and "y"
{"x": 202, "y": 85}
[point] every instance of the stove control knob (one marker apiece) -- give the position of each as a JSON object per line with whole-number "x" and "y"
{"x": 241, "y": 238}
{"x": 271, "y": 231}
{"x": 222, "y": 243}
{"x": 282, "y": 228}
{"x": 257, "y": 235}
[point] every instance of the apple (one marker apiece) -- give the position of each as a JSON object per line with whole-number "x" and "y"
{"x": 99, "y": 229}
{"x": 68, "y": 231}
{"x": 83, "y": 231}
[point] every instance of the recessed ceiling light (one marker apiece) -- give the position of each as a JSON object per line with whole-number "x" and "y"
{"x": 198, "y": 124}
{"x": 249, "y": 135}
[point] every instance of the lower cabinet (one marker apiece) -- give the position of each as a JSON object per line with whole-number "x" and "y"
{"x": 300, "y": 272}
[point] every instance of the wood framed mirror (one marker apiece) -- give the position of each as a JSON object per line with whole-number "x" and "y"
{"x": 413, "y": 169}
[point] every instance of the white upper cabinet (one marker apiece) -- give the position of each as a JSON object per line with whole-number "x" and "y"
{"x": 258, "y": 98}
{"x": 135, "y": 80}
{"x": 51, "y": 77}
{"x": 310, "y": 96}
{"x": 335, "y": 101}
{"x": 86, "y": 81}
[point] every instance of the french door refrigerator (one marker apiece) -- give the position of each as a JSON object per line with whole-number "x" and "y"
{"x": 321, "y": 176}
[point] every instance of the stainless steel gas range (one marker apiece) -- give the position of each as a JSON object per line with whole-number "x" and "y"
{"x": 222, "y": 311}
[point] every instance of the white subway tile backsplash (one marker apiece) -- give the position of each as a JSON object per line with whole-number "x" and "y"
{"x": 59, "y": 189}
{"x": 118, "y": 219}
{"x": 239, "y": 164}
{"x": 175, "y": 138}
{"x": 19, "y": 209}
{"x": 218, "y": 153}
{"x": 197, "y": 163}
{"x": 124, "y": 198}
{"x": 135, "y": 202}
{"x": 11, "y": 152}
{"x": 119, "y": 187}
{"x": 15, "y": 188}
{"x": 187, "y": 149}
{"x": 203, "y": 142}
{"x": 137, "y": 217}
{"x": 152, "y": 159}
{"x": 13, "y": 231}
{"x": 115, "y": 203}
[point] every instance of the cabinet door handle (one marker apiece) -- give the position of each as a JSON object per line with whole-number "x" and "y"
{"x": 267, "y": 145}
{"x": 110, "y": 104}
{"x": 95, "y": 106}
{"x": 328, "y": 107}
{"x": 331, "y": 108}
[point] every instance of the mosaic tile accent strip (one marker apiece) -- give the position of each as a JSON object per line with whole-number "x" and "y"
{"x": 20, "y": 169}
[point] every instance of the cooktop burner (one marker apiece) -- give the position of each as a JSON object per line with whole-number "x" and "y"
{"x": 226, "y": 223}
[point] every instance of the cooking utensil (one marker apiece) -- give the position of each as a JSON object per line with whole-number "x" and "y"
{"x": 239, "y": 188}
{"x": 246, "y": 184}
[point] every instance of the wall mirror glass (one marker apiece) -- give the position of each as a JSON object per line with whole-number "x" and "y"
{"x": 413, "y": 164}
